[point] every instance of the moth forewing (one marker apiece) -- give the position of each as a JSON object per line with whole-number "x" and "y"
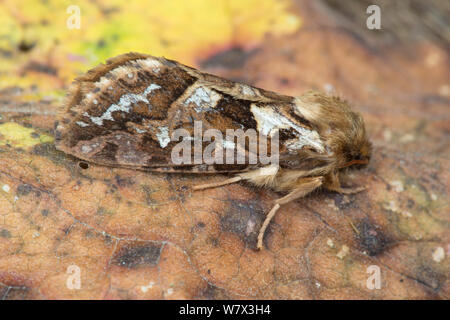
{"x": 128, "y": 112}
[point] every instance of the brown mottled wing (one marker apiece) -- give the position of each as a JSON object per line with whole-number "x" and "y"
{"x": 123, "y": 113}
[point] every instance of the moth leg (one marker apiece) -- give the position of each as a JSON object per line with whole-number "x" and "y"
{"x": 305, "y": 186}
{"x": 218, "y": 184}
{"x": 350, "y": 190}
{"x": 332, "y": 183}
{"x": 259, "y": 177}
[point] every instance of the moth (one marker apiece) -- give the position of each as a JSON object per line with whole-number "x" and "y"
{"x": 125, "y": 113}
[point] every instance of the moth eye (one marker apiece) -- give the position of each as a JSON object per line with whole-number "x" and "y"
{"x": 83, "y": 165}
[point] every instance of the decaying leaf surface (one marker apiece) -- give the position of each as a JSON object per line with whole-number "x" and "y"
{"x": 138, "y": 235}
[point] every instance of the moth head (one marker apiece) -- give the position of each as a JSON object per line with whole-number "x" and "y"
{"x": 341, "y": 129}
{"x": 354, "y": 149}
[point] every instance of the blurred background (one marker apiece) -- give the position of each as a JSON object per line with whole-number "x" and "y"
{"x": 56, "y": 40}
